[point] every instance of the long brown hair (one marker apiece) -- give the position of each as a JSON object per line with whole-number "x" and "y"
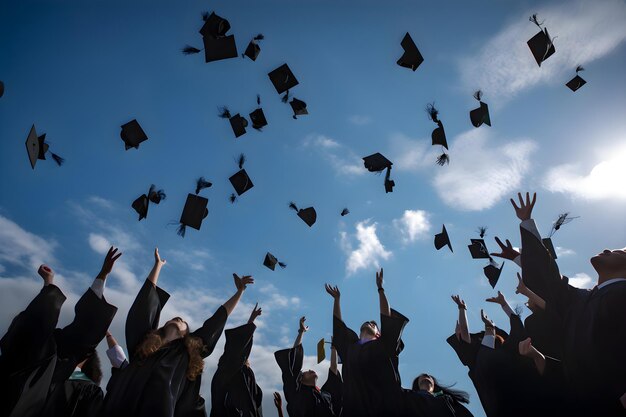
{"x": 154, "y": 341}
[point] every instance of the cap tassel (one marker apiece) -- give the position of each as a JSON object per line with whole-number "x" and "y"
{"x": 224, "y": 113}
{"x": 344, "y": 212}
{"x": 201, "y": 184}
{"x": 282, "y": 265}
{"x": 285, "y": 98}
{"x": 258, "y": 100}
{"x": 181, "y": 230}
{"x": 241, "y": 160}
{"x": 156, "y": 196}
{"x": 259, "y": 37}
{"x": 190, "y": 50}
{"x": 293, "y": 206}
{"x": 533, "y": 19}
{"x": 232, "y": 198}
{"x": 482, "y": 230}
{"x": 579, "y": 68}
{"x": 433, "y": 113}
{"x": 205, "y": 16}
{"x": 443, "y": 159}
{"x": 57, "y": 159}
{"x": 478, "y": 95}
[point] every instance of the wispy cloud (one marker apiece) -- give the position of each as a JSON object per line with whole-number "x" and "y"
{"x": 561, "y": 251}
{"x": 410, "y": 154}
{"x": 359, "y": 120}
{"x": 343, "y": 160}
{"x": 369, "y": 252}
{"x": 581, "y": 280}
{"x": 22, "y": 248}
{"x": 277, "y": 299}
{"x": 413, "y": 225}
{"x": 585, "y": 31}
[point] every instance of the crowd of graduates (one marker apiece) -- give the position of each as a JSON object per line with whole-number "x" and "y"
{"x": 566, "y": 358}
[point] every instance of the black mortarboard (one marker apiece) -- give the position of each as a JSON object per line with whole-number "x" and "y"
{"x": 492, "y": 272}
{"x": 576, "y": 82}
{"x": 377, "y": 163}
{"x": 438, "y": 135}
{"x": 142, "y": 202}
{"x": 478, "y": 249}
{"x": 253, "y": 49}
{"x": 257, "y": 117}
{"x": 308, "y": 215}
{"x": 344, "y": 212}
{"x": 37, "y": 148}
{"x": 283, "y": 79}
{"x": 1, "y": 88}
{"x": 214, "y": 26}
{"x": 481, "y": 114}
{"x": 194, "y": 212}
{"x": 298, "y": 107}
{"x": 237, "y": 122}
{"x": 220, "y": 48}
{"x": 442, "y": 239}
{"x": 411, "y": 57}
{"x": 541, "y": 44}
{"x": 132, "y": 134}
{"x": 240, "y": 180}
{"x": 547, "y": 242}
{"x": 270, "y": 261}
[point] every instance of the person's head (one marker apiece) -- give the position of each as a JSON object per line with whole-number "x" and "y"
{"x": 308, "y": 378}
{"x": 428, "y": 383}
{"x": 92, "y": 367}
{"x": 178, "y": 326}
{"x": 610, "y": 264}
{"x": 369, "y": 330}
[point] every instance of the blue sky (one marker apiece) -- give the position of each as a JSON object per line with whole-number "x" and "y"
{"x": 78, "y": 71}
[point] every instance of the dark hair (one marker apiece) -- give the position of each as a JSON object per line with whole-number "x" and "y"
{"x": 92, "y": 368}
{"x": 455, "y": 394}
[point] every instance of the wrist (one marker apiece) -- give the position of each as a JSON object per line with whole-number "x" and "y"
{"x": 462, "y": 307}
{"x": 381, "y": 289}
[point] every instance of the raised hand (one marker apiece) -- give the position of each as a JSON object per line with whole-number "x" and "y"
{"x": 46, "y": 273}
{"x": 278, "y": 401}
{"x": 109, "y": 260}
{"x": 333, "y": 291}
{"x": 527, "y": 349}
{"x": 488, "y": 322}
{"x": 157, "y": 259}
{"x": 506, "y": 251}
{"x": 256, "y": 312}
{"x": 521, "y": 287}
{"x": 499, "y": 299}
{"x": 525, "y": 210}
{"x": 379, "y": 279}
{"x": 303, "y": 328}
{"x": 242, "y": 282}
{"x": 459, "y": 302}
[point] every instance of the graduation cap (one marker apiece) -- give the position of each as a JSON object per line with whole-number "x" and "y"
{"x": 492, "y": 272}
{"x": 237, "y": 122}
{"x": 240, "y": 180}
{"x": 142, "y": 202}
{"x": 563, "y": 218}
{"x": 576, "y": 82}
{"x": 253, "y": 49}
{"x": 411, "y": 57}
{"x": 442, "y": 239}
{"x": 217, "y": 45}
{"x": 344, "y": 212}
{"x": 257, "y": 117}
{"x": 308, "y": 215}
{"x": 298, "y": 107}
{"x": 37, "y": 148}
{"x": 478, "y": 249}
{"x": 1, "y": 88}
{"x": 270, "y": 261}
{"x": 195, "y": 209}
{"x": 321, "y": 350}
{"x": 377, "y": 163}
{"x": 481, "y": 114}
{"x": 438, "y": 135}
{"x": 132, "y": 134}
{"x": 541, "y": 44}
{"x": 283, "y": 79}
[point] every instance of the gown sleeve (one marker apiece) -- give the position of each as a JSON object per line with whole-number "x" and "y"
{"x": 290, "y": 363}
{"x": 144, "y": 315}
{"x": 343, "y": 337}
{"x": 517, "y": 334}
{"x": 211, "y": 330}
{"x": 391, "y": 332}
{"x": 334, "y": 386}
{"x": 465, "y": 351}
{"x": 236, "y": 352}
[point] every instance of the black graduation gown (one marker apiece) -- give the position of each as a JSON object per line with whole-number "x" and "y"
{"x": 158, "y": 386}
{"x": 545, "y": 328}
{"x": 303, "y": 400}
{"x": 370, "y": 371}
{"x": 594, "y": 331}
{"x": 75, "y": 398}
{"x": 37, "y": 357}
{"x": 425, "y": 404}
{"x": 234, "y": 391}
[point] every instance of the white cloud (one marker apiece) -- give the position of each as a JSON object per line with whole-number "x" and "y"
{"x": 277, "y": 299}
{"x": 482, "y": 170}
{"x": 604, "y": 181}
{"x": 584, "y": 31}
{"x": 343, "y": 160}
{"x": 22, "y": 248}
{"x": 413, "y": 225}
{"x": 581, "y": 280}
{"x": 101, "y": 202}
{"x": 561, "y": 251}
{"x": 410, "y": 154}
{"x": 100, "y": 244}
{"x": 369, "y": 251}
{"x": 359, "y": 120}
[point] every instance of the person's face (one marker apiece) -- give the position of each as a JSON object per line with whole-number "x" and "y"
{"x": 426, "y": 383}
{"x": 309, "y": 378}
{"x": 370, "y": 328}
{"x": 610, "y": 263}
{"x": 179, "y": 324}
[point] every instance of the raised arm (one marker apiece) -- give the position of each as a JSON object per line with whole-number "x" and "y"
{"x": 489, "y": 339}
{"x": 382, "y": 298}
{"x": 532, "y": 297}
{"x": 501, "y": 300}
{"x": 334, "y": 292}
{"x": 507, "y": 252}
{"x": 528, "y": 350}
{"x": 333, "y": 360}
{"x": 278, "y": 402}
{"x": 301, "y": 330}
{"x": 240, "y": 283}
{"x": 115, "y": 353}
{"x": 153, "y": 276}
{"x": 462, "y": 320}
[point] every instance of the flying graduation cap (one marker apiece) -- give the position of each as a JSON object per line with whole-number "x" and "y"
{"x": 478, "y": 249}
{"x": 541, "y": 44}
{"x": 298, "y": 107}
{"x": 438, "y": 135}
{"x": 240, "y": 181}
{"x": 576, "y": 82}
{"x": 492, "y": 272}
{"x": 308, "y": 215}
{"x": 480, "y": 115}
{"x": 217, "y": 45}
{"x": 442, "y": 239}
{"x": 377, "y": 163}
{"x": 195, "y": 209}
{"x": 237, "y": 122}
{"x": 563, "y": 218}
{"x": 37, "y": 148}
{"x": 132, "y": 134}
{"x": 257, "y": 117}
{"x": 321, "y": 349}
{"x": 142, "y": 202}
{"x": 1, "y": 88}
{"x": 270, "y": 261}
{"x": 411, "y": 58}
{"x": 253, "y": 49}
{"x": 283, "y": 80}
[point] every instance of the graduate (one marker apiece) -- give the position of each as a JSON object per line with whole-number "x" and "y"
{"x": 371, "y": 379}
{"x": 594, "y": 324}
{"x": 234, "y": 391}
{"x": 303, "y": 396}
{"x": 37, "y": 358}
{"x": 428, "y": 398}
{"x": 164, "y": 372}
